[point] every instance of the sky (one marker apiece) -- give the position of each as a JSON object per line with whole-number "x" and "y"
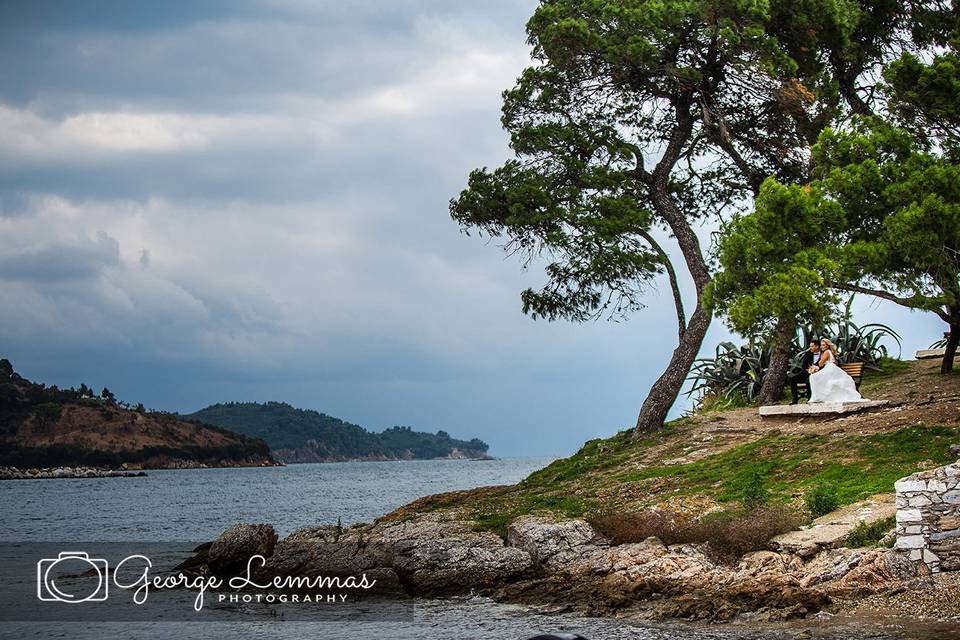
{"x": 214, "y": 201}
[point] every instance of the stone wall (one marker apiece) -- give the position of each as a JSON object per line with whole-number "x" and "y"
{"x": 928, "y": 517}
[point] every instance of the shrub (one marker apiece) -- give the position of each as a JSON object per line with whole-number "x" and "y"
{"x": 753, "y": 492}
{"x": 727, "y": 535}
{"x": 822, "y": 499}
{"x": 868, "y": 535}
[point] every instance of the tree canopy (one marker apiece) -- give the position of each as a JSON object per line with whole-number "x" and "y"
{"x": 641, "y": 118}
{"x": 885, "y": 199}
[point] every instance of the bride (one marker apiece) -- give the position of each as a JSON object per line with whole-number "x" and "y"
{"x": 828, "y": 382}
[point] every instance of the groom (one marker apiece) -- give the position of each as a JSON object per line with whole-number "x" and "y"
{"x": 810, "y": 358}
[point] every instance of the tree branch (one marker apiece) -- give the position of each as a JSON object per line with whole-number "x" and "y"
{"x": 715, "y": 121}
{"x": 674, "y": 284}
{"x": 886, "y": 295}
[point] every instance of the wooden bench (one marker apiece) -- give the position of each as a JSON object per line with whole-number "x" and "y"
{"x": 852, "y": 369}
{"x": 855, "y": 371}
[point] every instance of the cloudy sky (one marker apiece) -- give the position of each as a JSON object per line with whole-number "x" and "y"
{"x": 212, "y": 201}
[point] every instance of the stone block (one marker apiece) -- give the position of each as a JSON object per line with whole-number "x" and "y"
{"x": 952, "y": 497}
{"x": 906, "y": 484}
{"x": 909, "y": 515}
{"x": 911, "y": 542}
{"x": 945, "y": 535}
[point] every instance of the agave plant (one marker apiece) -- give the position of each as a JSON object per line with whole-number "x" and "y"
{"x": 857, "y": 343}
{"x": 733, "y": 370}
{"x": 739, "y": 371}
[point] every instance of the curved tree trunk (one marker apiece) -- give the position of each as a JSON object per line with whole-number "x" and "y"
{"x": 953, "y": 340}
{"x": 665, "y": 390}
{"x": 667, "y": 387}
{"x": 776, "y": 377}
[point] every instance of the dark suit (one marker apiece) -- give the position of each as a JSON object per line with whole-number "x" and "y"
{"x": 803, "y": 377}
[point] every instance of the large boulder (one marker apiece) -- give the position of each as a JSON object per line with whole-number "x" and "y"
{"x": 436, "y": 555}
{"x": 554, "y": 545}
{"x": 230, "y": 553}
{"x": 330, "y": 550}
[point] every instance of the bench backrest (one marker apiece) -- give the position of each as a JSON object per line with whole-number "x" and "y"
{"x": 853, "y": 369}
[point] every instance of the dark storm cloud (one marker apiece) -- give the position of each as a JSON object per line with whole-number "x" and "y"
{"x": 207, "y": 201}
{"x": 59, "y": 262}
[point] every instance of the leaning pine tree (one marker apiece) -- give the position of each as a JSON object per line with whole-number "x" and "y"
{"x": 642, "y": 119}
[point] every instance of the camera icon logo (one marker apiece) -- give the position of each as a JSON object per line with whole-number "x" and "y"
{"x": 73, "y": 563}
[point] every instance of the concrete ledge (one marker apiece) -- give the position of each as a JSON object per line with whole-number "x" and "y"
{"x": 929, "y": 354}
{"x": 819, "y": 408}
{"x": 831, "y": 531}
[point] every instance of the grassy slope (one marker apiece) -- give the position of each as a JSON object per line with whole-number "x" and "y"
{"x": 699, "y": 463}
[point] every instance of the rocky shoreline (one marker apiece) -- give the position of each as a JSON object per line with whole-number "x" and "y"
{"x": 127, "y": 470}
{"x": 13, "y": 473}
{"x": 566, "y": 566}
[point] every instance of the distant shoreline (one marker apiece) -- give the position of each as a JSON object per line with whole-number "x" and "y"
{"x": 84, "y": 472}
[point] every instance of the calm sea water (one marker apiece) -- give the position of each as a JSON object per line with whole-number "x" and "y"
{"x": 199, "y": 504}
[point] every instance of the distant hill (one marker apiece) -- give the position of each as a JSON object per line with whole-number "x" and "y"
{"x": 301, "y": 435}
{"x": 43, "y": 426}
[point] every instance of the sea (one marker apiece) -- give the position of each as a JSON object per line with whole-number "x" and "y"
{"x": 198, "y": 504}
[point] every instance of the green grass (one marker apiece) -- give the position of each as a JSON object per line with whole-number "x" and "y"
{"x": 626, "y": 472}
{"x": 889, "y": 367}
{"x": 594, "y": 456}
{"x": 793, "y": 463}
{"x": 493, "y": 515}
{"x": 723, "y": 402}
{"x": 854, "y": 466}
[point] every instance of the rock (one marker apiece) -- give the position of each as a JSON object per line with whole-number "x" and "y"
{"x": 831, "y": 531}
{"x": 553, "y": 545}
{"x": 759, "y": 562}
{"x": 830, "y": 565}
{"x": 230, "y": 553}
{"x": 877, "y": 571}
{"x": 440, "y": 557}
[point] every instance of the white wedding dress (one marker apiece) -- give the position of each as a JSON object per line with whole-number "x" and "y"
{"x": 832, "y": 384}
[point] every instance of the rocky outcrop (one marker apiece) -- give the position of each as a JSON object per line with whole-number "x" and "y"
{"x": 230, "y": 553}
{"x": 553, "y": 545}
{"x": 831, "y": 531}
{"x": 565, "y": 564}
{"x": 435, "y": 554}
